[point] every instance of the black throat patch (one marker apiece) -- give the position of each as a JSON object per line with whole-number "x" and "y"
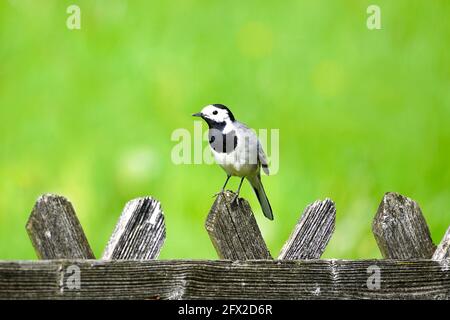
{"x": 214, "y": 124}
{"x": 222, "y": 143}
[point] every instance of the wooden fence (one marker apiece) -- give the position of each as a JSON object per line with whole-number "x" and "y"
{"x": 413, "y": 267}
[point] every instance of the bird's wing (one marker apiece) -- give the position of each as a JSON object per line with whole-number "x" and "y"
{"x": 261, "y": 155}
{"x": 241, "y": 125}
{"x": 262, "y": 158}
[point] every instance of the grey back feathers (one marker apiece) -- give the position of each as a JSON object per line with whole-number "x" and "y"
{"x": 261, "y": 156}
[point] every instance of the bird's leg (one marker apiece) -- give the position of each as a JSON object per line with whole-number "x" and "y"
{"x": 236, "y": 196}
{"x": 223, "y": 188}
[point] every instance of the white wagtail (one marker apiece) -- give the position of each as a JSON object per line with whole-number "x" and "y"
{"x": 237, "y": 150}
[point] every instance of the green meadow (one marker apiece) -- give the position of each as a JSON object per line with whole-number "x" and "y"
{"x": 89, "y": 113}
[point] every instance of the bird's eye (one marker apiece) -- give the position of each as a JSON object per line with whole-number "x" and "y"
{"x": 215, "y": 112}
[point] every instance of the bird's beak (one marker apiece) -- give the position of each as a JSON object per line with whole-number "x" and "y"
{"x": 198, "y": 114}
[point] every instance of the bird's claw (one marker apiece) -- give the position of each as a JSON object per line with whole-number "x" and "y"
{"x": 235, "y": 199}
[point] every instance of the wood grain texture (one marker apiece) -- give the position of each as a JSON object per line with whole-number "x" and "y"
{"x": 312, "y": 232}
{"x": 139, "y": 233}
{"x": 400, "y": 229}
{"x": 263, "y": 279}
{"x": 233, "y": 230}
{"x": 55, "y": 231}
{"x": 443, "y": 249}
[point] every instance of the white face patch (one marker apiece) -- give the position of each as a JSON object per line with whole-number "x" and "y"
{"x": 216, "y": 114}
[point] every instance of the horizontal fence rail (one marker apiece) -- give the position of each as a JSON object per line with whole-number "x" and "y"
{"x": 259, "y": 279}
{"x": 413, "y": 266}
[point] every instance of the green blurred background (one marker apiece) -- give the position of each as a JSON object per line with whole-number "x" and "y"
{"x": 89, "y": 113}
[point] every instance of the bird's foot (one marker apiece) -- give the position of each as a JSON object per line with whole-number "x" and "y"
{"x": 235, "y": 199}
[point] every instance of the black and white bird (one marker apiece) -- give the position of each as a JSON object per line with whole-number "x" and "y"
{"x": 237, "y": 150}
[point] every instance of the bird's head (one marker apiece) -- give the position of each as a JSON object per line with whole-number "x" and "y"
{"x": 215, "y": 114}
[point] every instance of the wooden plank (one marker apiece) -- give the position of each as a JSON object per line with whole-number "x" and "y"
{"x": 262, "y": 279}
{"x": 400, "y": 229}
{"x": 312, "y": 232}
{"x": 139, "y": 233}
{"x": 55, "y": 231}
{"x": 443, "y": 249}
{"x": 233, "y": 229}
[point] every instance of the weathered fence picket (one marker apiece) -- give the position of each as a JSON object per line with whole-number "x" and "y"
{"x": 443, "y": 249}
{"x": 55, "y": 231}
{"x": 400, "y": 229}
{"x": 139, "y": 233}
{"x": 127, "y": 269}
{"x": 233, "y": 229}
{"x": 312, "y": 232}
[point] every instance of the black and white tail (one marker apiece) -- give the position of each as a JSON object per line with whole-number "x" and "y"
{"x": 256, "y": 183}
